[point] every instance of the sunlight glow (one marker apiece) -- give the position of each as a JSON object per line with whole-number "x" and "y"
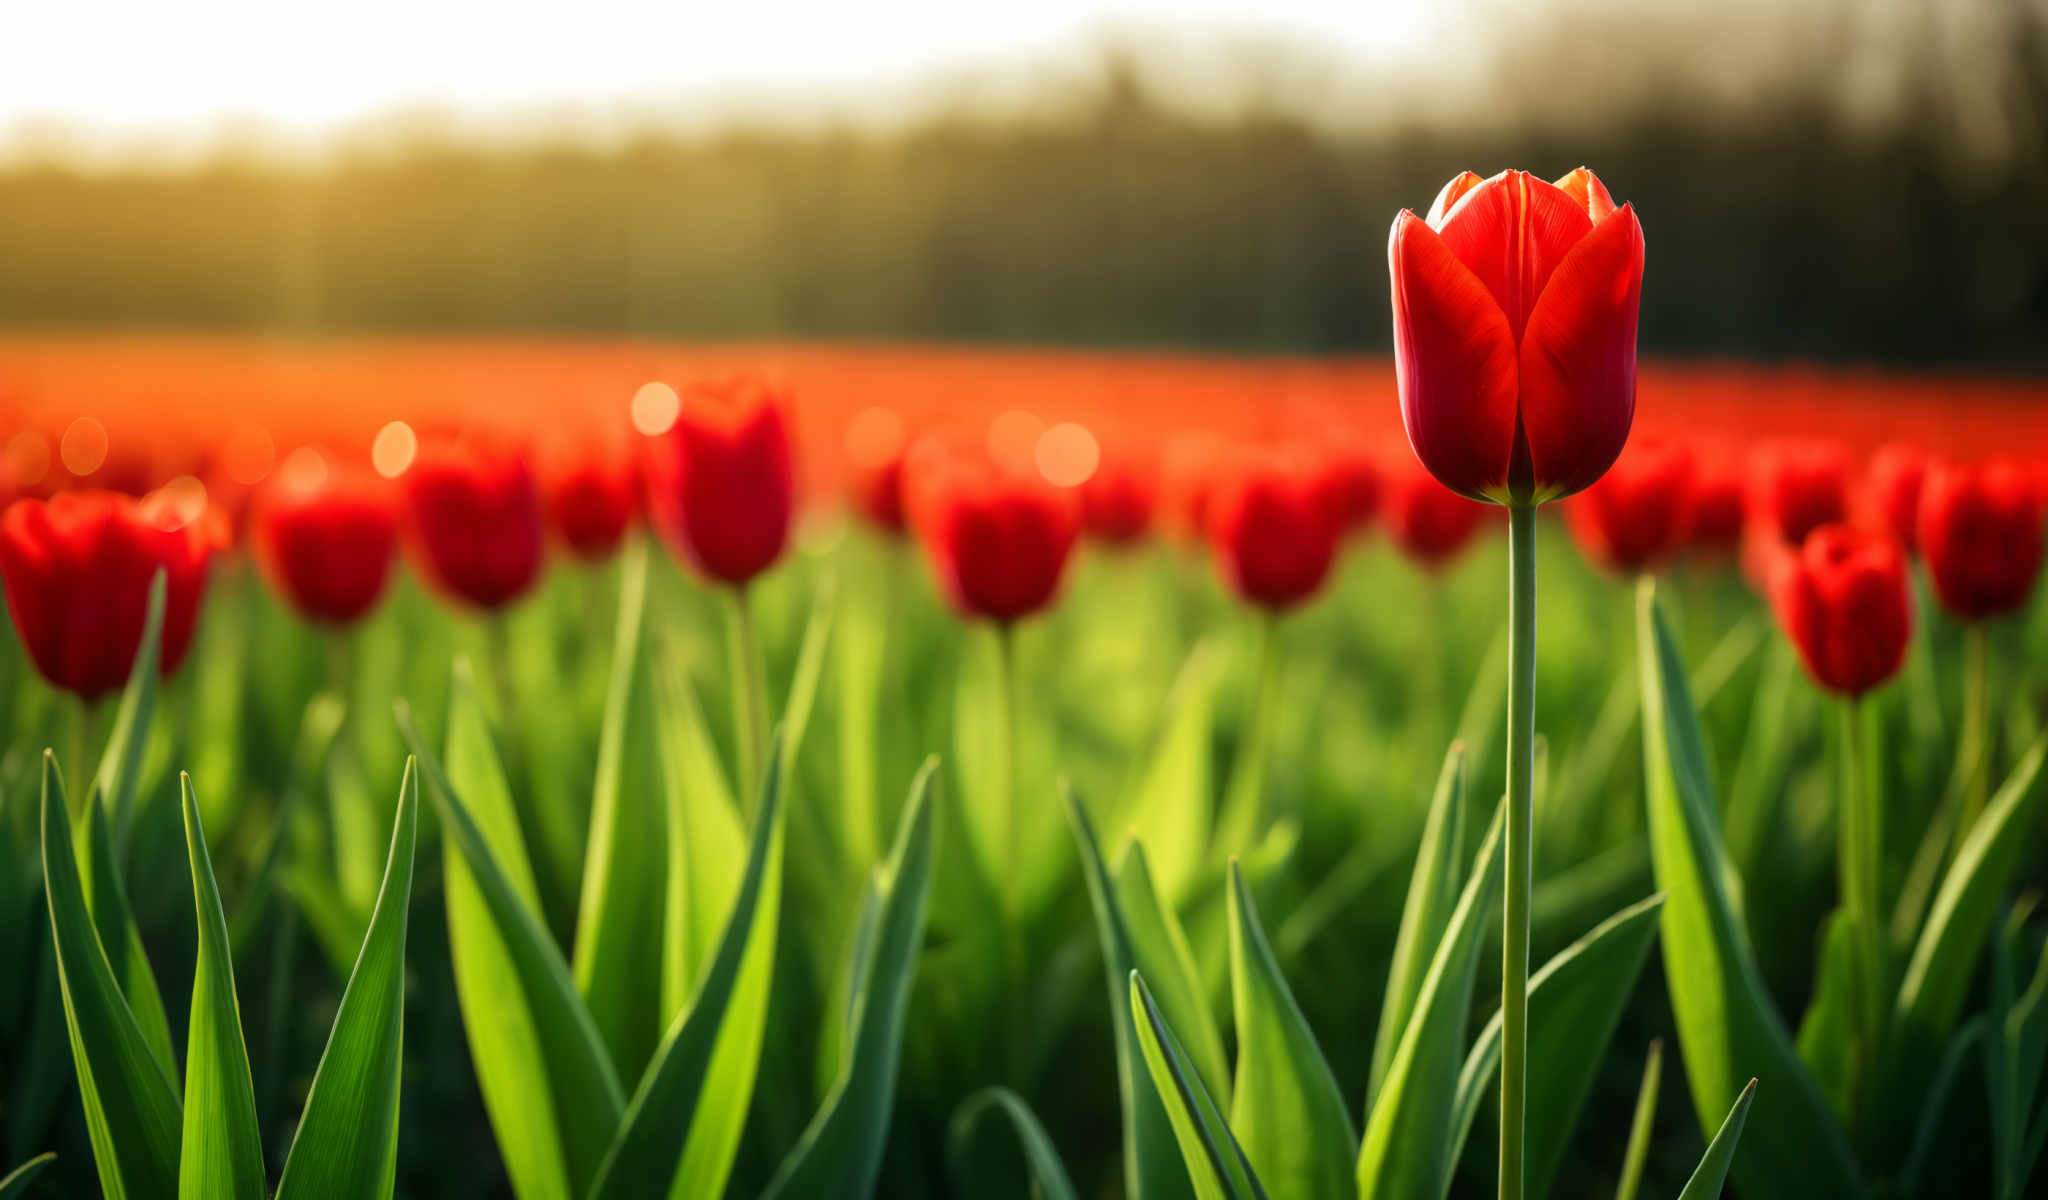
{"x": 84, "y": 447}
{"x": 394, "y": 449}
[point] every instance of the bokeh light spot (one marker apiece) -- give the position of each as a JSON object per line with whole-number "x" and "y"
{"x": 655, "y": 408}
{"x": 248, "y": 455}
{"x": 1013, "y": 439}
{"x": 180, "y": 502}
{"x": 394, "y": 449}
{"x": 304, "y": 471}
{"x": 84, "y": 446}
{"x": 1067, "y": 455}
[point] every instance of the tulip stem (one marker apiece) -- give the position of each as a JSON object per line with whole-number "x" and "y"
{"x": 1976, "y": 725}
{"x": 1005, "y": 782}
{"x": 1244, "y": 801}
{"x": 1860, "y": 842}
{"x": 750, "y": 693}
{"x": 1521, "y": 767}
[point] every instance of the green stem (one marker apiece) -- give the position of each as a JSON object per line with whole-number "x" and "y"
{"x": 1976, "y": 725}
{"x": 1860, "y": 842}
{"x": 1244, "y": 801}
{"x": 83, "y": 732}
{"x": 1514, "y": 1007}
{"x": 1005, "y": 732}
{"x": 750, "y": 693}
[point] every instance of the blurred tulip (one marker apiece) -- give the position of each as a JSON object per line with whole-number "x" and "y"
{"x": 1350, "y": 481}
{"x": 1272, "y": 528}
{"x": 1515, "y": 308}
{"x": 1843, "y": 599}
{"x": 1117, "y": 501}
{"x": 590, "y": 500}
{"x": 77, "y": 569}
{"x": 1795, "y": 486}
{"x": 1717, "y": 503}
{"x": 997, "y": 538}
{"x": 472, "y": 520}
{"x": 875, "y": 442}
{"x": 326, "y": 539}
{"x": 1187, "y": 468}
{"x": 719, "y": 482}
{"x": 1980, "y": 534}
{"x": 1637, "y": 516}
{"x": 1428, "y": 521}
{"x": 1892, "y": 488}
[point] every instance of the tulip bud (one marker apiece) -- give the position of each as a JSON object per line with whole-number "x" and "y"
{"x": 997, "y": 538}
{"x": 875, "y": 442}
{"x": 1892, "y": 493}
{"x": 1272, "y": 529}
{"x": 325, "y": 538}
{"x": 1428, "y": 521}
{"x": 1842, "y": 598}
{"x": 473, "y": 520}
{"x": 77, "y": 570}
{"x": 590, "y": 500}
{"x": 1796, "y": 486}
{"x": 1351, "y": 484}
{"x": 1638, "y": 514}
{"x": 719, "y": 482}
{"x": 1718, "y": 512}
{"x": 1515, "y": 307}
{"x": 1118, "y": 499}
{"x": 1980, "y": 534}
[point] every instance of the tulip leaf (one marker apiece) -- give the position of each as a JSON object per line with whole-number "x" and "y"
{"x": 1432, "y": 892}
{"x": 132, "y": 1111}
{"x": 107, "y": 901}
{"x": 1575, "y": 1002}
{"x": 1152, "y": 1167}
{"x": 1712, "y": 1172}
{"x": 1048, "y": 1173}
{"x": 706, "y": 837}
{"x": 222, "y": 1153}
{"x": 346, "y": 1147}
{"x": 546, "y": 1078}
{"x": 1171, "y": 796}
{"x": 121, "y": 764}
{"x": 1828, "y": 1034}
{"x": 1210, "y": 1154}
{"x": 1728, "y": 1027}
{"x": 840, "y": 1152}
{"x": 1638, "y": 1152}
{"x": 624, "y": 875}
{"x": 15, "y": 1185}
{"x": 1161, "y": 948}
{"x": 1410, "y": 1135}
{"x": 1936, "y": 1111}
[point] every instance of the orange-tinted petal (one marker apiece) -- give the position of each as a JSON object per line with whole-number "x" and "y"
{"x": 1447, "y": 199}
{"x": 1512, "y": 231}
{"x": 1585, "y": 187}
{"x": 1578, "y": 359}
{"x": 1454, "y": 358}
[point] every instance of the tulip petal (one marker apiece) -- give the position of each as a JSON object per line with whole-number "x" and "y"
{"x": 1447, "y": 199}
{"x": 1578, "y": 358}
{"x": 1512, "y": 231}
{"x": 1454, "y": 357}
{"x": 1585, "y": 187}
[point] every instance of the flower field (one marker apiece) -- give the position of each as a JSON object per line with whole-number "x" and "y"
{"x": 618, "y": 769}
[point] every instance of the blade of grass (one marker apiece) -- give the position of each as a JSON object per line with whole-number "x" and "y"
{"x": 1642, "y": 1125}
{"x": 222, "y": 1152}
{"x": 1048, "y": 1173}
{"x": 1712, "y": 1172}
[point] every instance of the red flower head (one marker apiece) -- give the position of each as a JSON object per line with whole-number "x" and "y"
{"x": 1117, "y": 501}
{"x": 719, "y": 482}
{"x": 1842, "y": 598}
{"x": 875, "y": 441}
{"x": 591, "y": 499}
{"x": 1272, "y": 528}
{"x": 77, "y": 569}
{"x": 473, "y": 520}
{"x": 1892, "y": 486}
{"x": 1428, "y": 521}
{"x": 1638, "y": 515}
{"x": 1796, "y": 486}
{"x": 1980, "y": 534}
{"x": 1718, "y": 504}
{"x": 997, "y": 538}
{"x": 325, "y": 537}
{"x": 1351, "y": 483}
{"x": 1515, "y": 333}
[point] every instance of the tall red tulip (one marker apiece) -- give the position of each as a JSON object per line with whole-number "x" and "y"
{"x": 998, "y": 539}
{"x": 1843, "y": 599}
{"x": 1637, "y": 516}
{"x": 1428, "y": 521}
{"x": 77, "y": 569}
{"x": 1980, "y": 534}
{"x": 1272, "y": 528}
{"x": 1117, "y": 501}
{"x": 326, "y": 538}
{"x": 719, "y": 483}
{"x": 473, "y": 520}
{"x": 590, "y": 498}
{"x": 1892, "y": 490}
{"x": 1515, "y": 307}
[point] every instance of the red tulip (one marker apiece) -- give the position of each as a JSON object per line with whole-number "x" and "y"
{"x": 719, "y": 482}
{"x": 590, "y": 500}
{"x": 1186, "y": 471}
{"x": 1272, "y": 528}
{"x": 1893, "y": 484}
{"x": 1797, "y": 486}
{"x": 1843, "y": 599}
{"x": 1638, "y": 515}
{"x": 1118, "y": 499}
{"x": 1515, "y": 333}
{"x": 1718, "y": 512}
{"x": 1429, "y": 522}
{"x": 875, "y": 442}
{"x": 473, "y": 520}
{"x": 78, "y": 568}
{"x": 998, "y": 539}
{"x": 1351, "y": 484}
{"x": 1980, "y": 534}
{"x": 326, "y": 539}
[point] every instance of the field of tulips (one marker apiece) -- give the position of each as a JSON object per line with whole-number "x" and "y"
{"x": 537, "y": 769}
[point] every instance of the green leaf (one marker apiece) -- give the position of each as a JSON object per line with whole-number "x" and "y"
{"x": 1170, "y": 798}
{"x": 346, "y": 1147}
{"x": 1575, "y": 1002}
{"x": 840, "y": 1153}
{"x": 1708, "y": 1177}
{"x": 1828, "y": 1033}
{"x": 131, "y": 1109}
{"x": 107, "y": 901}
{"x": 15, "y": 1185}
{"x": 1285, "y": 1105}
{"x": 1409, "y": 1135}
{"x": 1935, "y": 1109}
{"x": 1152, "y": 1167}
{"x": 810, "y": 670}
{"x": 1639, "y": 1129}
{"x": 222, "y": 1152}
{"x": 706, "y": 839}
{"x": 1938, "y": 975}
{"x": 624, "y": 871}
{"x": 1728, "y": 1028}
{"x": 1432, "y": 892}
{"x": 1048, "y": 1174}
{"x": 702, "y": 1077}
{"x": 1160, "y": 946}
{"x": 546, "y": 1079}
{"x": 121, "y": 765}
{"x": 1213, "y": 1160}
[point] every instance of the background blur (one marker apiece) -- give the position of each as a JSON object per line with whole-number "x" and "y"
{"x": 1830, "y": 180}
